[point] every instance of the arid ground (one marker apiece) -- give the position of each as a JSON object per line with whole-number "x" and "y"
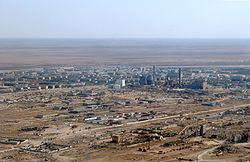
{"x": 25, "y": 53}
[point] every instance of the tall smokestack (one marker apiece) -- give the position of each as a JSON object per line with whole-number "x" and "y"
{"x": 180, "y": 79}
{"x": 154, "y": 77}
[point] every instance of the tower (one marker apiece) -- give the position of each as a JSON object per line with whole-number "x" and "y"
{"x": 154, "y": 77}
{"x": 180, "y": 77}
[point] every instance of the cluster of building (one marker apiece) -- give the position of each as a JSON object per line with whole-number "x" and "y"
{"x": 125, "y": 77}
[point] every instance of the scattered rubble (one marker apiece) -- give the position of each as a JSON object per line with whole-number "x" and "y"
{"x": 46, "y": 148}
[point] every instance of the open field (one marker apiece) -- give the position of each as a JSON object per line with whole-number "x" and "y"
{"x": 27, "y": 53}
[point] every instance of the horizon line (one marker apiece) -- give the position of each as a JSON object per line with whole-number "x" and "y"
{"x": 126, "y": 38}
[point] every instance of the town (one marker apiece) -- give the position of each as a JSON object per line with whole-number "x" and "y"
{"x": 125, "y": 113}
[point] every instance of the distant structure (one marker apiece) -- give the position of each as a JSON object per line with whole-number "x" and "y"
{"x": 245, "y": 85}
{"x": 202, "y": 130}
{"x": 217, "y": 79}
{"x": 150, "y": 80}
{"x": 116, "y": 139}
{"x": 154, "y": 77}
{"x": 121, "y": 82}
{"x": 180, "y": 77}
{"x": 146, "y": 80}
{"x": 143, "y": 70}
{"x": 238, "y": 77}
{"x": 143, "y": 80}
{"x": 199, "y": 84}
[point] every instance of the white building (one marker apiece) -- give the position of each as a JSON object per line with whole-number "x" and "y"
{"x": 121, "y": 82}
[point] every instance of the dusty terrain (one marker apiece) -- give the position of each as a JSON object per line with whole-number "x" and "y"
{"x": 93, "y": 142}
{"x": 27, "y": 53}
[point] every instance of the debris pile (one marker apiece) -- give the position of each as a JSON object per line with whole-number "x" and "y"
{"x": 226, "y": 148}
{"x": 46, "y": 148}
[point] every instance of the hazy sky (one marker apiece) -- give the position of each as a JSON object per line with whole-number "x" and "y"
{"x": 125, "y": 18}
